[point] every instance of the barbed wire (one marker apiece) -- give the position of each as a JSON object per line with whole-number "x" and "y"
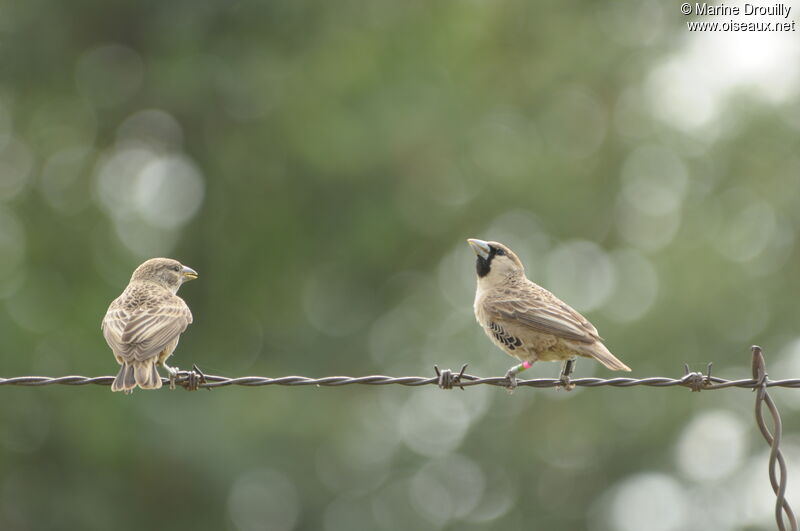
{"x": 693, "y": 380}
{"x": 448, "y": 379}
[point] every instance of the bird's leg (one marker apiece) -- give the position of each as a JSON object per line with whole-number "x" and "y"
{"x": 511, "y": 374}
{"x": 566, "y": 371}
{"x": 173, "y": 373}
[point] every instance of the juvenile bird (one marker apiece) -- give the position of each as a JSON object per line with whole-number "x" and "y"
{"x": 143, "y": 325}
{"x": 527, "y": 321}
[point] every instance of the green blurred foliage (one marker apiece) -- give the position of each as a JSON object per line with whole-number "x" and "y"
{"x": 320, "y": 164}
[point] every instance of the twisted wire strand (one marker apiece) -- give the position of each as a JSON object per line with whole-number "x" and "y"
{"x": 447, "y": 379}
{"x": 778, "y": 474}
{"x": 212, "y": 381}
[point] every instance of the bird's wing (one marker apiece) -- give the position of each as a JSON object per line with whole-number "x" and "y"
{"x": 113, "y": 326}
{"x": 143, "y": 333}
{"x": 545, "y": 314}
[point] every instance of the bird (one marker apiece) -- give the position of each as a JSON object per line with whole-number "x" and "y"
{"x": 143, "y": 325}
{"x": 528, "y": 322}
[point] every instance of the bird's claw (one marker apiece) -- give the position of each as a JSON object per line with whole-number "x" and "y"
{"x": 173, "y": 375}
{"x": 511, "y": 376}
{"x": 565, "y": 383}
{"x": 566, "y": 370}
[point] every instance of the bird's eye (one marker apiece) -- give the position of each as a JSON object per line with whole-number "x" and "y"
{"x": 176, "y": 268}
{"x": 500, "y": 252}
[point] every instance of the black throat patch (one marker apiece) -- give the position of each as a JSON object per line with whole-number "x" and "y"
{"x": 484, "y": 265}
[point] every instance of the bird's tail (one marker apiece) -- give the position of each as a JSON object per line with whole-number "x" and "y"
{"x": 143, "y": 374}
{"x": 599, "y": 352}
{"x": 147, "y": 375}
{"x": 125, "y": 380}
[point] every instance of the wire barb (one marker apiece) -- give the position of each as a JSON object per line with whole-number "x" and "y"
{"x": 696, "y": 381}
{"x": 448, "y": 379}
{"x": 191, "y": 380}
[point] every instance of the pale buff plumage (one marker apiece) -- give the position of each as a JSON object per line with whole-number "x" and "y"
{"x": 527, "y": 321}
{"x": 143, "y": 325}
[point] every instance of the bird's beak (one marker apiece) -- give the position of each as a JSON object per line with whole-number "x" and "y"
{"x": 480, "y": 247}
{"x": 189, "y": 273}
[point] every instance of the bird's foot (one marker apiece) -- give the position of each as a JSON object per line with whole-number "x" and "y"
{"x": 173, "y": 375}
{"x": 511, "y": 376}
{"x": 566, "y": 371}
{"x": 512, "y": 373}
{"x": 565, "y": 383}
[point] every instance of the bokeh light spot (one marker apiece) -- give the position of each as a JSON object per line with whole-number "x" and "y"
{"x": 263, "y": 499}
{"x": 433, "y": 423}
{"x": 16, "y": 162}
{"x": 711, "y": 446}
{"x": 581, "y": 273}
{"x": 638, "y": 290}
{"x": 169, "y": 191}
{"x": 651, "y": 501}
{"x": 447, "y": 488}
{"x": 151, "y": 128}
